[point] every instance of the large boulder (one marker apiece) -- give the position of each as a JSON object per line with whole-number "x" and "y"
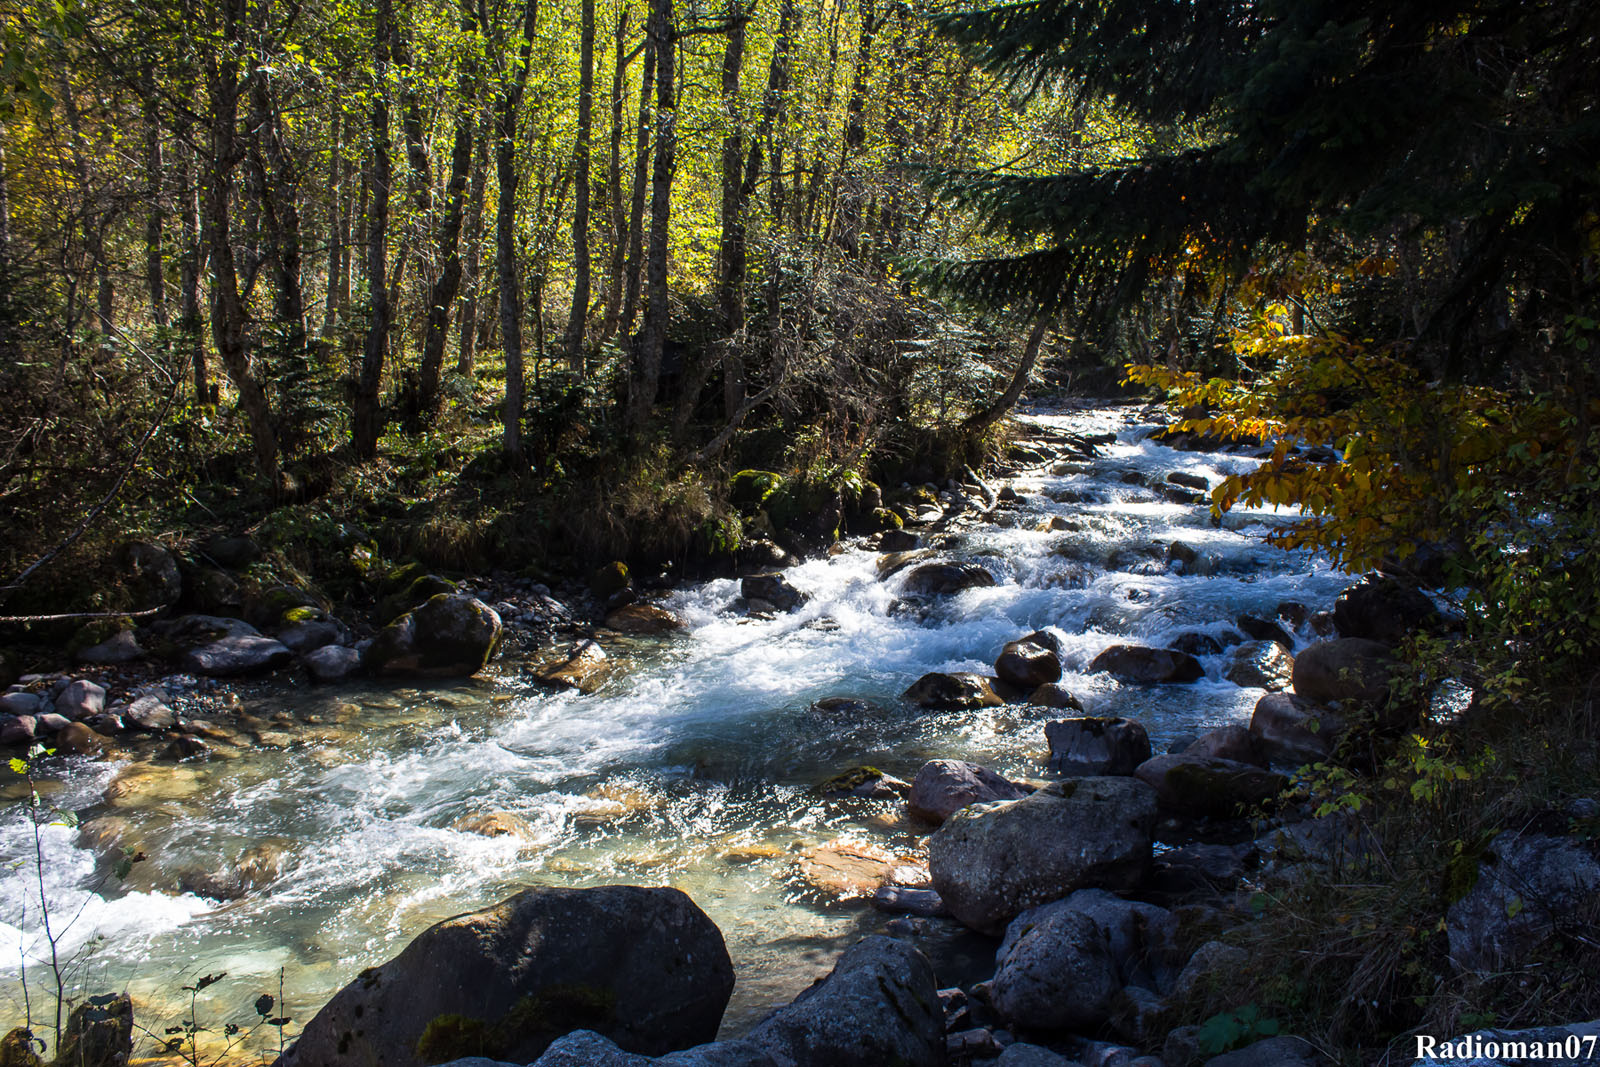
{"x": 1383, "y": 609}
{"x": 953, "y": 692}
{"x": 229, "y": 657}
{"x": 1141, "y": 665}
{"x": 944, "y": 786}
{"x": 773, "y": 588}
{"x": 879, "y": 1005}
{"x": 1027, "y": 665}
{"x": 644, "y": 967}
{"x": 1344, "y": 670}
{"x": 946, "y": 578}
{"x": 1095, "y": 746}
{"x": 450, "y": 634}
{"x": 1529, "y": 887}
{"x": 1232, "y": 742}
{"x": 1260, "y": 665}
{"x": 1205, "y": 785}
{"x": 1289, "y": 729}
{"x": 152, "y": 574}
{"x": 992, "y": 862}
{"x": 1062, "y": 965}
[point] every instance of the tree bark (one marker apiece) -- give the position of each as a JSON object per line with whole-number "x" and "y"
{"x": 471, "y": 278}
{"x": 338, "y": 225}
{"x": 731, "y": 256}
{"x": 365, "y": 423}
{"x": 191, "y": 323}
{"x": 509, "y": 99}
{"x": 982, "y": 420}
{"x": 641, "y": 172}
{"x": 155, "y": 214}
{"x": 653, "y": 335}
{"x": 278, "y": 179}
{"x": 573, "y": 341}
{"x": 619, "y": 213}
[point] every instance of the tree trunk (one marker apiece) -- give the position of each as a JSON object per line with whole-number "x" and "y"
{"x": 653, "y": 335}
{"x": 278, "y": 180}
{"x": 641, "y": 171}
{"x": 365, "y": 423}
{"x": 982, "y": 420}
{"x": 731, "y": 253}
{"x": 573, "y": 341}
{"x": 155, "y": 216}
{"x": 9, "y": 342}
{"x": 849, "y": 189}
{"x": 228, "y": 311}
{"x": 471, "y": 279}
{"x": 191, "y": 323}
{"x": 505, "y": 154}
{"x": 619, "y": 214}
{"x": 338, "y": 224}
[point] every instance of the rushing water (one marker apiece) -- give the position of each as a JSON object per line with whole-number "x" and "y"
{"x": 696, "y": 767}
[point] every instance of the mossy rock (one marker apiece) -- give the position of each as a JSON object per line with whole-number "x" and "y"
{"x": 401, "y": 576}
{"x": 850, "y": 780}
{"x": 450, "y": 635}
{"x": 94, "y": 633}
{"x": 421, "y": 589}
{"x": 303, "y": 614}
{"x": 750, "y": 489}
{"x": 609, "y": 579}
{"x": 885, "y": 519}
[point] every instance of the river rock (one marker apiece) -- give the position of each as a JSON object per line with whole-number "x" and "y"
{"x": 149, "y": 713}
{"x": 1022, "y": 1054}
{"x": 644, "y": 619}
{"x": 153, "y": 574}
{"x": 953, "y": 692}
{"x": 81, "y": 699}
{"x": 1189, "y": 481}
{"x": 21, "y": 703}
{"x": 451, "y": 634}
{"x": 1096, "y": 746}
{"x": 77, "y": 739}
{"x": 1196, "y": 643}
{"x": 121, "y": 647}
{"x": 644, "y": 967}
{"x": 1346, "y": 669}
{"x": 1211, "y": 966}
{"x": 1259, "y": 629}
{"x": 584, "y": 669}
{"x": 1140, "y": 665}
{"x": 311, "y": 634}
{"x": 1052, "y": 695}
{"x": 1383, "y": 609}
{"x": 255, "y": 868}
{"x": 845, "y": 869}
{"x": 944, "y": 786}
{"x": 494, "y": 824}
{"x": 1062, "y": 965}
{"x": 898, "y": 541}
{"x": 230, "y": 657}
{"x": 1529, "y": 888}
{"x": 1260, "y": 665}
{"x": 879, "y": 1005}
{"x": 1193, "y": 784}
{"x": 1290, "y": 729}
{"x": 1231, "y": 742}
{"x": 99, "y": 1033}
{"x": 992, "y": 862}
{"x": 19, "y": 729}
{"x": 1027, "y": 665}
{"x": 947, "y": 578}
{"x": 52, "y": 723}
{"x": 774, "y": 588}
{"x": 332, "y": 663}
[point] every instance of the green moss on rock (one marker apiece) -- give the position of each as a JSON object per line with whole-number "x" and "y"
{"x": 749, "y": 489}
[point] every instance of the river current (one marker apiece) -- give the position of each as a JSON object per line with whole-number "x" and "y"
{"x": 695, "y": 766}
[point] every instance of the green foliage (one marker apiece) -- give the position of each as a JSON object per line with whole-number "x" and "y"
{"x": 1234, "y": 1029}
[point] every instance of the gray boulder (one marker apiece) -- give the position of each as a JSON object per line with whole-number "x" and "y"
{"x": 21, "y": 703}
{"x": 774, "y": 588}
{"x": 228, "y": 657}
{"x": 992, "y": 862}
{"x": 450, "y": 634}
{"x": 332, "y": 663}
{"x": 1195, "y": 785}
{"x": 1022, "y": 1054}
{"x": 1093, "y": 746}
{"x": 1529, "y": 887}
{"x": 149, "y": 713}
{"x": 1226, "y": 742}
{"x": 1383, "y": 609}
{"x": 81, "y": 699}
{"x": 944, "y": 786}
{"x": 311, "y": 634}
{"x": 953, "y": 692}
{"x": 1260, "y": 665}
{"x": 1347, "y": 669}
{"x": 644, "y": 967}
{"x": 1291, "y": 730}
{"x": 1148, "y": 666}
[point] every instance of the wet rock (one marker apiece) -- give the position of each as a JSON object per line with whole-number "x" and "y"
{"x": 81, "y": 699}
{"x": 846, "y": 869}
{"x": 121, "y": 647}
{"x": 417, "y": 591}
{"x": 953, "y": 692}
{"x": 644, "y": 619}
{"x": 1064, "y": 964}
{"x": 1347, "y": 669}
{"x": 1193, "y": 784}
{"x": 229, "y": 657}
{"x": 99, "y": 1033}
{"x": 1027, "y": 665}
{"x": 992, "y": 862}
{"x": 1179, "y": 552}
{"x": 1289, "y": 729}
{"x": 892, "y": 563}
{"x": 77, "y": 739}
{"x": 451, "y": 634}
{"x": 19, "y": 730}
{"x": 946, "y": 578}
{"x": 864, "y": 782}
{"x": 332, "y": 663}
{"x": 903, "y": 899}
{"x": 1055, "y": 696}
{"x": 1195, "y": 643}
{"x": 1096, "y": 746}
{"x": 1140, "y": 665}
{"x": 1259, "y": 629}
{"x": 976, "y": 1042}
{"x": 898, "y": 541}
{"x": 1231, "y": 742}
{"x": 844, "y": 706}
{"x": 311, "y": 634}
{"x": 1272, "y": 1052}
{"x": 644, "y": 967}
{"x": 1529, "y": 887}
{"x": 774, "y": 588}
{"x": 153, "y": 574}
{"x": 52, "y": 723}
{"x": 1383, "y": 609}
{"x": 584, "y": 669}
{"x": 879, "y": 1005}
{"x": 1189, "y": 481}
{"x": 944, "y": 786}
{"x": 255, "y": 868}
{"x": 494, "y": 824}
{"x": 186, "y": 747}
{"x": 233, "y": 551}
{"x": 1260, "y": 665}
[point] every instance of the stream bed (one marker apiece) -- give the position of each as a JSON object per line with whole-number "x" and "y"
{"x": 695, "y": 766}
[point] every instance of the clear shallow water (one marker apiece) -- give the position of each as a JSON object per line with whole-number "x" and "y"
{"x": 695, "y": 767}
